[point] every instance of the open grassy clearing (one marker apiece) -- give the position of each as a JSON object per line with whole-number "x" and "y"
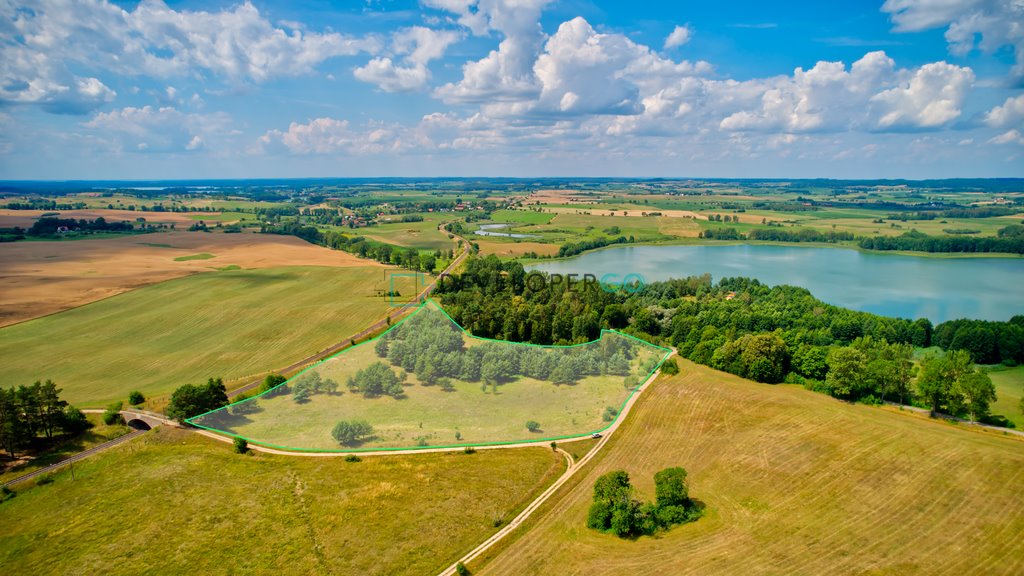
{"x": 232, "y": 324}
{"x": 41, "y": 278}
{"x": 62, "y": 449}
{"x": 420, "y": 235}
{"x": 173, "y": 502}
{"x": 794, "y": 483}
{"x": 1009, "y": 384}
{"x": 472, "y": 412}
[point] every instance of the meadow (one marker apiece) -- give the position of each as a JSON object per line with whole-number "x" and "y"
{"x": 793, "y": 482}
{"x": 554, "y": 217}
{"x": 230, "y": 324}
{"x": 173, "y": 502}
{"x": 422, "y": 235}
{"x": 470, "y": 412}
{"x": 1009, "y": 383}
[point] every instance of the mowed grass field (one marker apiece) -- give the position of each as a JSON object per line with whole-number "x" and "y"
{"x": 794, "y": 483}
{"x": 427, "y": 415}
{"x": 1009, "y": 383}
{"x": 230, "y": 324}
{"x": 172, "y": 502}
{"x": 420, "y": 235}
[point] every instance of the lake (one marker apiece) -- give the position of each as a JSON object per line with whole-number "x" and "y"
{"x": 489, "y": 230}
{"x": 939, "y": 289}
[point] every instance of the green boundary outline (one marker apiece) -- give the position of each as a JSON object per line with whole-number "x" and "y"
{"x": 416, "y": 291}
{"x": 668, "y": 352}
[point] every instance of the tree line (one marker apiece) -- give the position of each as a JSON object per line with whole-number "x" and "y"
{"x": 37, "y": 411}
{"x": 1009, "y": 240}
{"x": 409, "y": 258}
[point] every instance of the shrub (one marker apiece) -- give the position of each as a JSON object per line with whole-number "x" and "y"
{"x": 610, "y": 413}
{"x": 532, "y": 425}
{"x": 353, "y": 458}
{"x": 270, "y": 382}
{"x": 112, "y": 415}
{"x": 241, "y": 445}
{"x": 469, "y": 450}
{"x": 670, "y": 367}
{"x": 351, "y": 432}
{"x": 73, "y": 421}
{"x": 136, "y": 398}
{"x": 461, "y": 569}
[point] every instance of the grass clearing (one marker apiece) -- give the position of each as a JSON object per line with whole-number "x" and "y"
{"x": 233, "y": 324}
{"x": 1009, "y": 383}
{"x": 172, "y": 502}
{"x": 471, "y": 413}
{"x": 202, "y": 256}
{"x": 794, "y": 482}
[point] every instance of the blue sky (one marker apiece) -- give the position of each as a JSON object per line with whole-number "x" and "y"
{"x": 896, "y": 88}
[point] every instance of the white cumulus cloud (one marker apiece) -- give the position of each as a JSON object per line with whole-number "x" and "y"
{"x": 417, "y": 46}
{"x": 679, "y": 36}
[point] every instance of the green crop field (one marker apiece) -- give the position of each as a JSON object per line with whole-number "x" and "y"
{"x": 173, "y": 503}
{"x": 231, "y": 323}
{"x": 472, "y": 412}
{"x": 794, "y": 483}
{"x": 1009, "y": 384}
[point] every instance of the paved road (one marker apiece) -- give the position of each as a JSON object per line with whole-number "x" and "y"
{"x": 76, "y": 457}
{"x": 375, "y": 327}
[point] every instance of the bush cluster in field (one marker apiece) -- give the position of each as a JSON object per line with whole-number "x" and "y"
{"x": 616, "y": 510}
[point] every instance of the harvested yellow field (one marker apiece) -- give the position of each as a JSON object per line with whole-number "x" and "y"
{"x": 794, "y": 483}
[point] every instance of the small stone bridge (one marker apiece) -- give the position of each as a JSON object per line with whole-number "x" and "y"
{"x": 144, "y": 419}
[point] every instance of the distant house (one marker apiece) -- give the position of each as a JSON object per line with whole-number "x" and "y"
{"x": 730, "y": 295}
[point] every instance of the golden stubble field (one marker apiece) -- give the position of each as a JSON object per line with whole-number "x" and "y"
{"x": 26, "y": 218}
{"x": 795, "y": 483}
{"x": 40, "y": 278}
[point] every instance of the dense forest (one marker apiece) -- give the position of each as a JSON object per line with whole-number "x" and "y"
{"x": 769, "y": 334}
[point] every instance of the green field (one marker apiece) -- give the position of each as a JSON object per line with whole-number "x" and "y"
{"x": 470, "y": 413}
{"x": 232, "y": 324}
{"x": 794, "y": 483}
{"x": 172, "y": 502}
{"x": 203, "y": 256}
{"x": 1009, "y": 384}
{"x": 420, "y": 235}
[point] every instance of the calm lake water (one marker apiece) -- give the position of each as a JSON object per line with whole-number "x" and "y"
{"x": 939, "y": 289}
{"x": 489, "y": 230}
